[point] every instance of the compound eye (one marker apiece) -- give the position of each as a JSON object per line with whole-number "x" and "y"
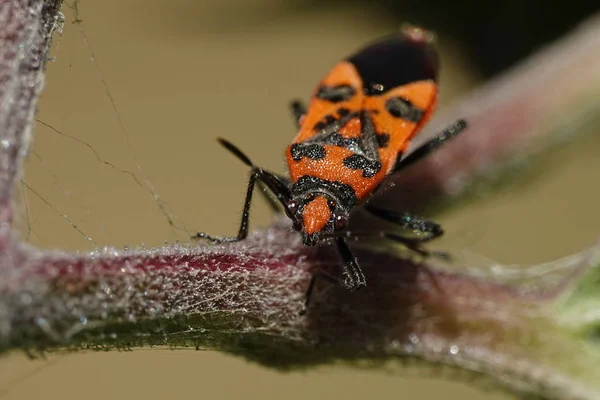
{"x": 341, "y": 221}
{"x": 292, "y": 207}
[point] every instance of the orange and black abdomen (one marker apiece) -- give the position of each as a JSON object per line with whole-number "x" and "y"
{"x": 364, "y": 113}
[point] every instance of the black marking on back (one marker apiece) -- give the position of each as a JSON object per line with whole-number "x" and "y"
{"x": 336, "y": 94}
{"x": 402, "y": 108}
{"x": 344, "y": 194}
{"x": 336, "y": 139}
{"x": 343, "y": 111}
{"x": 319, "y": 126}
{"x": 394, "y": 61}
{"x": 325, "y": 122}
{"x": 366, "y": 145}
{"x": 312, "y": 151}
{"x": 370, "y": 168}
{"x": 383, "y": 139}
{"x": 330, "y": 125}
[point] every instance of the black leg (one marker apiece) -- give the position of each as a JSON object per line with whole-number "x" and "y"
{"x": 319, "y": 274}
{"x": 353, "y": 277}
{"x": 447, "y": 134}
{"x": 413, "y": 244}
{"x": 298, "y": 111}
{"x": 270, "y": 181}
{"x": 408, "y": 221}
{"x": 243, "y": 231}
{"x": 278, "y": 184}
{"x": 273, "y": 203}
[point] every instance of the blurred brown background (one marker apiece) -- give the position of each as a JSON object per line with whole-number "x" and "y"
{"x": 184, "y": 72}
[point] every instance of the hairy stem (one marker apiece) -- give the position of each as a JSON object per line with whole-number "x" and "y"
{"x": 533, "y": 331}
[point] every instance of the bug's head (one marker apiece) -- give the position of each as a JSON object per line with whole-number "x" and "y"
{"x": 316, "y": 214}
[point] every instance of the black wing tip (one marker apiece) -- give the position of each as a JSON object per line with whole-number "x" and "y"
{"x": 400, "y": 58}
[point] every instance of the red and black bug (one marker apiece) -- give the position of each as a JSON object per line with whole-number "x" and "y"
{"x": 354, "y": 134}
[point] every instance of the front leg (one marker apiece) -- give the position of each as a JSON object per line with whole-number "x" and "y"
{"x": 408, "y": 221}
{"x": 353, "y": 277}
{"x": 269, "y": 180}
{"x": 274, "y": 203}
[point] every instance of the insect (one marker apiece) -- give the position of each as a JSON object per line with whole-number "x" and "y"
{"x": 355, "y": 133}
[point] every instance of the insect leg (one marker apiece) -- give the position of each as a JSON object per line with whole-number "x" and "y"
{"x": 278, "y": 182}
{"x": 273, "y": 203}
{"x": 413, "y": 244}
{"x": 298, "y": 111}
{"x": 408, "y": 221}
{"x": 448, "y": 133}
{"x": 353, "y": 277}
{"x": 319, "y": 274}
{"x": 269, "y": 180}
{"x": 243, "y": 231}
